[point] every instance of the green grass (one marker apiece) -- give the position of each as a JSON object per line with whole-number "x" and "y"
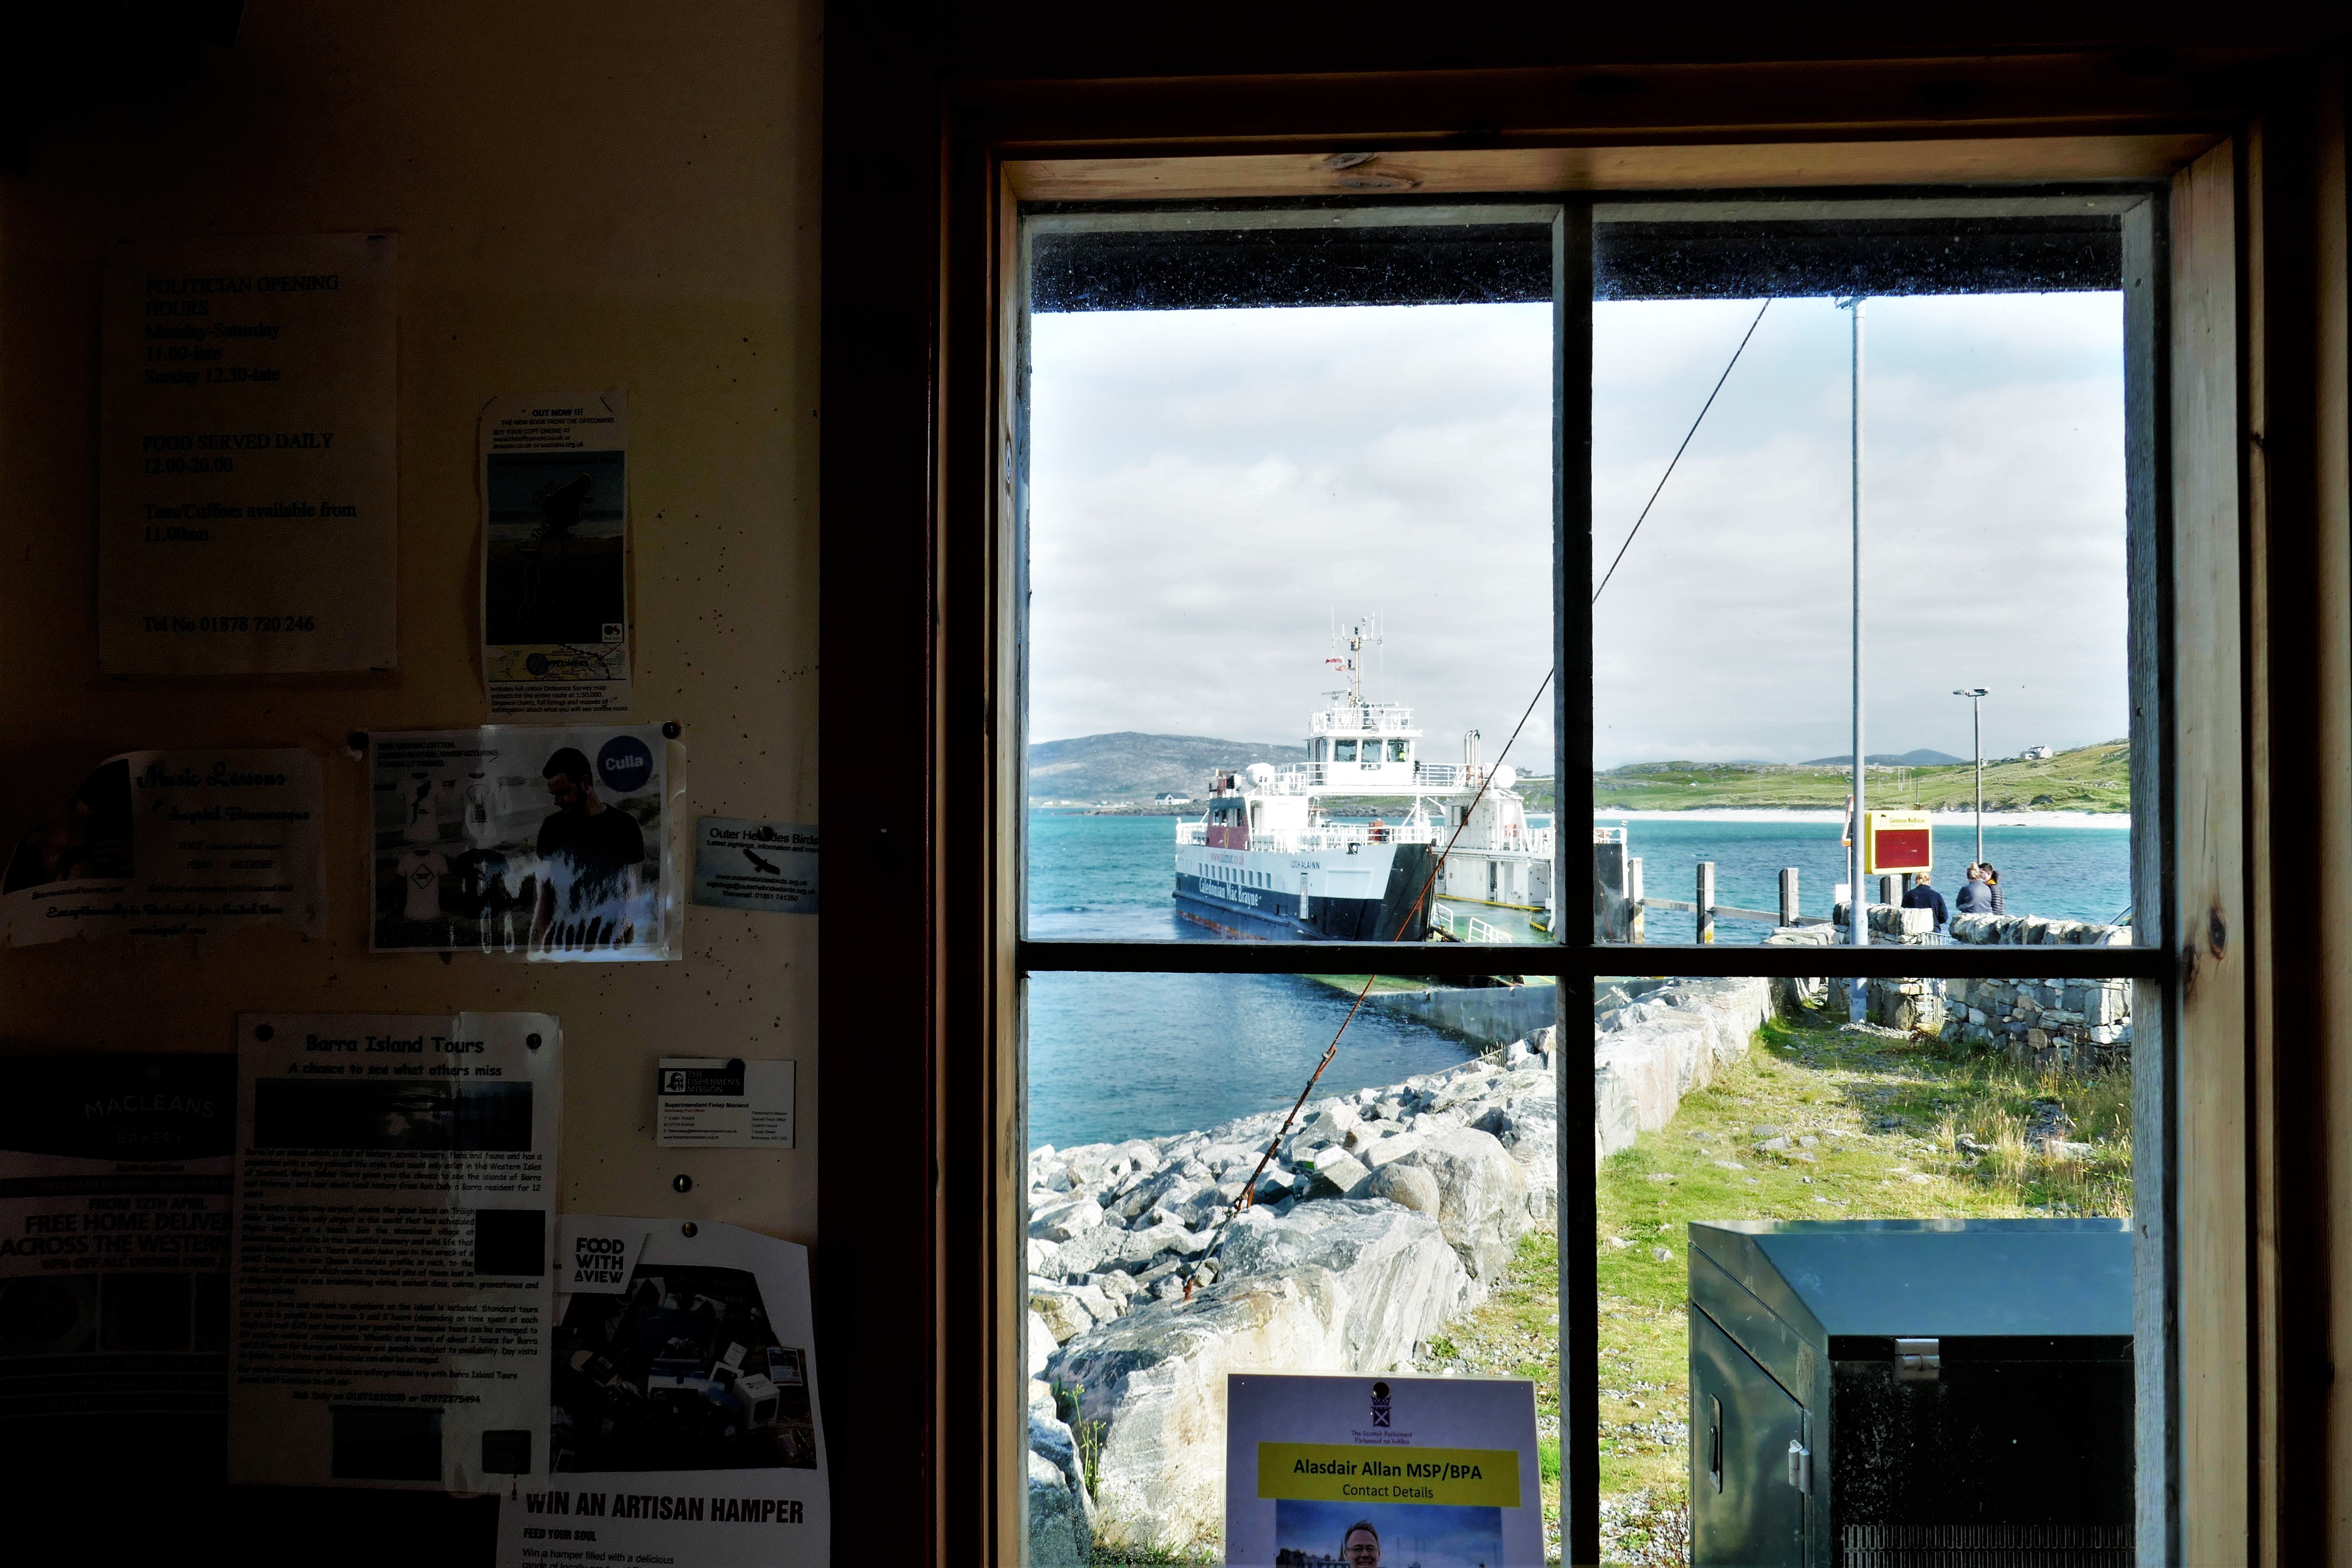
{"x": 2088, "y": 778}
{"x": 1895, "y": 1107}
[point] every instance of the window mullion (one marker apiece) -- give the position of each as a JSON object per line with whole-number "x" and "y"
{"x": 1580, "y": 1323}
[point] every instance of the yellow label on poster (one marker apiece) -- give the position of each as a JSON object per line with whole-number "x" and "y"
{"x": 1355, "y": 1472}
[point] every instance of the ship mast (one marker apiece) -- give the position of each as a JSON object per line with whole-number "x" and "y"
{"x": 1365, "y": 630}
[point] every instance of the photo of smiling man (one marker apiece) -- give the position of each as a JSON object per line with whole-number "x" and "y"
{"x": 522, "y": 841}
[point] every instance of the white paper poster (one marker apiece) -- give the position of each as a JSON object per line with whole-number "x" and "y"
{"x": 114, "y": 1233}
{"x": 722, "y": 1104}
{"x": 685, "y": 1420}
{"x": 247, "y": 455}
{"x": 550, "y": 844}
{"x": 165, "y": 844}
{"x": 555, "y": 542}
{"x": 770, "y": 866}
{"x": 396, "y": 1184}
{"x": 1362, "y": 1470}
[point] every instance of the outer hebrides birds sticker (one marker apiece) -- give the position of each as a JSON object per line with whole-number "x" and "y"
{"x": 741, "y": 865}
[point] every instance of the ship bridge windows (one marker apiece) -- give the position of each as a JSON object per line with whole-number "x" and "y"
{"x": 1343, "y": 751}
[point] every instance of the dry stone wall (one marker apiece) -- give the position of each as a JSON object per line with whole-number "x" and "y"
{"x": 2074, "y": 1026}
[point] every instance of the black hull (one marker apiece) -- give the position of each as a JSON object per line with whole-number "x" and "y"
{"x": 1399, "y": 914}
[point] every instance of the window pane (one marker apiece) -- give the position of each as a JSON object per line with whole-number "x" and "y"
{"x": 1289, "y": 597}
{"x": 1414, "y": 1200}
{"x": 1993, "y": 585}
{"x": 1877, "y": 1155}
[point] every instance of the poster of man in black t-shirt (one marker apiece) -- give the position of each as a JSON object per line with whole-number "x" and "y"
{"x": 592, "y": 856}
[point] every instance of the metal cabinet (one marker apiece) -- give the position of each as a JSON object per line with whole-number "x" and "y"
{"x": 1748, "y": 1445}
{"x": 1911, "y": 1393}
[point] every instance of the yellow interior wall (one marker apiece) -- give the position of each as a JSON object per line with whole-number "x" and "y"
{"x": 586, "y": 196}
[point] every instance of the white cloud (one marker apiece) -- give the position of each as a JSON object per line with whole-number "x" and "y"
{"x": 1209, "y": 488}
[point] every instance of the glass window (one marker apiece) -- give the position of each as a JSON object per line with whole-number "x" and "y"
{"x": 1857, "y": 598}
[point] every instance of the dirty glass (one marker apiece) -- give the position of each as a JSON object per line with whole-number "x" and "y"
{"x": 1859, "y": 485}
{"x": 1158, "y": 1101}
{"x": 1786, "y": 1202}
{"x": 1749, "y": 385}
{"x": 1289, "y": 519}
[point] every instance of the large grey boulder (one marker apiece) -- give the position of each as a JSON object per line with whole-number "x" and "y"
{"x": 1064, "y": 1220}
{"x": 1408, "y": 1186}
{"x": 1143, "y": 1246}
{"x": 1482, "y": 1197}
{"x": 1675, "y": 1040}
{"x": 1345, "y": 1285}
{"x": 1396, "y": 1267}
{"x": 1061, "y": 1532}
{"x": 1090, "y": 1250}
{"x": 1384, "y": 1151}
{"x": 1334, "y": 1173}
{"x": 1527, "y": 1124}
{"x": 1068, "y": 1310}
{"x": 1157, "y": 1377}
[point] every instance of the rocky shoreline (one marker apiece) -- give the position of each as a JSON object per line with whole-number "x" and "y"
{"x": 1387, "y": 1213}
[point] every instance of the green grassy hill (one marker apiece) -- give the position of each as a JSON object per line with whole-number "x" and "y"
{"x": 2088, "y": 778}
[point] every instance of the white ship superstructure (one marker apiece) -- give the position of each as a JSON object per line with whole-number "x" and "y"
{"x": 1269, "y": 852}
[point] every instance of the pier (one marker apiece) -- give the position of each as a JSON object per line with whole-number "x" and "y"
{"x": 1619, "y": 900}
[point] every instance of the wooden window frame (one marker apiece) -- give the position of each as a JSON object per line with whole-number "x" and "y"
{"x": 2245, "y": 436}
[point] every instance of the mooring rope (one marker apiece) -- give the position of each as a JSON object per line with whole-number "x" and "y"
{"x": 1248, "y": 1195}
{"x": 1681, "y": 449}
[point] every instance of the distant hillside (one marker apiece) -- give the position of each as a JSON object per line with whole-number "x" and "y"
{"x": 1922, "y": 757}
{"x": 1132, "y": 766}
{"x": 2087, "y": 778}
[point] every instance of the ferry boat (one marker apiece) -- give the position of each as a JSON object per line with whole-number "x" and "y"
{"x": 1266, "y": 856}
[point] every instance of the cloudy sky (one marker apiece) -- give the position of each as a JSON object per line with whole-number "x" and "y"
{"x": 1210, "y": 488}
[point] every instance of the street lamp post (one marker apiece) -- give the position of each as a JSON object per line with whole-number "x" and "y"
{"x": 1976, "y": 696}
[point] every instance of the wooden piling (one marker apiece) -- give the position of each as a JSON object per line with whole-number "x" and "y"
{"x": 1705, "y": 900}
{"x": 1788, "y": 895}
{"x": 1634, "y": 927}
{"x": 1609, "y": 910}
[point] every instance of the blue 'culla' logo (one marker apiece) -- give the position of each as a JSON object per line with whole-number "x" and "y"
{"x": 623, "y": 765}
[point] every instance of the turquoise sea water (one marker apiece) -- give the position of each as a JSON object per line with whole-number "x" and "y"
{"x": 1128, "y": 1055}
{"x": 1123, "y": 1055}
{"x": 2066, "y": 873}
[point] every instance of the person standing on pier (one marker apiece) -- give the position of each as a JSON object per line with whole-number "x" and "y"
{"x": 1922, "y": 895}
{"x": 1992, "y": 884}
{"x": 1974, "y": 898}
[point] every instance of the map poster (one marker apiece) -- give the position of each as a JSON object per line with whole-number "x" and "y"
{"x": 248, "y": 461}
{"x": 683, "y": 1422}
{"x": 1375, "y": 1469}
{"x": 555, "y": 546}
